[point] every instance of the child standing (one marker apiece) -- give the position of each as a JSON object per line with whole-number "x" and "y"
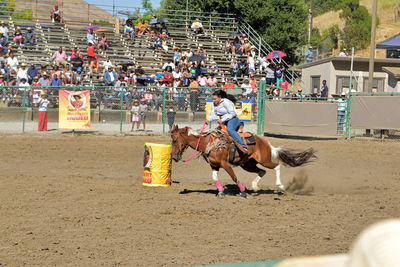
{"x": 142, "y": 114}
{"x": 171, "y": 117}
{"x": 135, "y": 115}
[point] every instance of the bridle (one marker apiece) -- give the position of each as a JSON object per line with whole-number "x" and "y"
{"x": 198, "y": 142}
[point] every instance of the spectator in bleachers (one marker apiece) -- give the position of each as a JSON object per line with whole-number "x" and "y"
{"x": 167, "y": 76}
{"x": 55, "y": 81}
{"x": 169, "y": 63}
{"x": 236, "y": 45}
{"x": 56, "y": 15}
{"x": 262, "y": 62}
{"x": 253, "y": 82}
{"x": 202, "y": 52}
{"x": 129, "y": 29}
{"x": 22, "y": 73}
{"x": 68, "y": 75}
{"x": 90, "y": 39}
{"x": 157, "y": 43}
{"x": 248, "y": 90}
{"x": 283, "y": 84}
{"x": 78, "y": 78}
{"x": 202, "y": 80}
{"x": 90, "y": 53}
{"x": 103, "y": 43}
{"x": 76, "y": 53}
{"x": 93, "y": 66}
{"x": 197, "y": 27}
{"x": 107, "y": 64}
{"x": 3, "y": 43}
{"x": 55, "y": 71}
{"x": 228, "y": 47}
{"x": 4, "y": 70}
{"x": 44, "y": 80}
{"x": 177, "y": 56}
{"x": 18, "y": 38}
{"x": 59, "y": 57}
{"x": 164, "y": 30}
{"x": 234, "y": 68}
{"x": 270, "y": 70}
{"x": 229, "y": 85}
{"x": 32, "y": 73}
{"x": 251, "y": 62}
{"x": 77, "y": 63}
{"x": 212, "y": 81}
{"x": 110, "y": 77}
{"x": 12, "y": 63}
{"x": 245, "y": 47}
{"x": 4, "y": 30}
{"x": 29, "y": 37}
{"x": 243, "y": 68}
{"x": 164, "y": 43}
{"x": 142, "y": 26}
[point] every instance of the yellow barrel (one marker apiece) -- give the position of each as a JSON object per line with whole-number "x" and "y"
{"x": 157, "y": 164}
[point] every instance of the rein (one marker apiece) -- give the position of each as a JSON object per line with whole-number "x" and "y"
{"x": 198, "y": 142}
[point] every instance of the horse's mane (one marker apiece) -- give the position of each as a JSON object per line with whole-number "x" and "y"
{"x": 219, "y": 141}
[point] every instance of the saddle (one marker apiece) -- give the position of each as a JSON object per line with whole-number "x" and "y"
{"x": 248, "y": 139}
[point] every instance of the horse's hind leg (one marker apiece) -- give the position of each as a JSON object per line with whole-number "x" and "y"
{"x": 217, "y": 182}
{"x": 278, "y": 177}
{"x": 230, "y": 171}
{"x": 253, "y": 168}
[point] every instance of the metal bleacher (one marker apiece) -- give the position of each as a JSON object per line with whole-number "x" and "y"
{"x": 77, "y": 16}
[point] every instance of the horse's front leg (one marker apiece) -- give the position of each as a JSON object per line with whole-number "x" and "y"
{"x": 215, "y": 171}
{"x": 229, "y": 170}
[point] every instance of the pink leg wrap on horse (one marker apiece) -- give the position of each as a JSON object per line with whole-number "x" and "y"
{"x": 219, "y": 186}
{"x": 241, "y": 187}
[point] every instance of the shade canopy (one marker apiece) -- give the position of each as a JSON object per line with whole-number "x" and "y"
{"x": 390, "y": 43}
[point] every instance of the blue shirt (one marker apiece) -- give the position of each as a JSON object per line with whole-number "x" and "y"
{"x": 309, "y": 56}
{"x": 324, "y": 91}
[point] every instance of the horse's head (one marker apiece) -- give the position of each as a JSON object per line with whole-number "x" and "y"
{"x": 178, "y": 142}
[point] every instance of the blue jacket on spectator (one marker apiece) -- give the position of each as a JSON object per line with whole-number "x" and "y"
{"x": 32, "y": 72}
{"x": 107, "y": 78}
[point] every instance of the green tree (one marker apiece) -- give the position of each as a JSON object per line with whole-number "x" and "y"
{"x": 7, "y": 7}
{"x": 357, "y": 29}
{"x": 282, "y": 23}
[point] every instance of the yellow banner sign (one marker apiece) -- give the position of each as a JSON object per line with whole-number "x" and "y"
{"x": 242, "y": 108}
{"x": 74, "y": 110}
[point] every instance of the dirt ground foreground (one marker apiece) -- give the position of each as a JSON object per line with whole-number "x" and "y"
{"x": 77, "y": 200}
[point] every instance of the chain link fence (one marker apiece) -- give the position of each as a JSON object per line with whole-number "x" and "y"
{"x": 133, "y": 110}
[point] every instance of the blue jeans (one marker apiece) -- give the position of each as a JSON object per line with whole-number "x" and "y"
{"x": 233, "y": 125}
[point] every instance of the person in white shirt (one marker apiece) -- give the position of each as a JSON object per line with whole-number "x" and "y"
{"x": 22, "y": 88}
{"x": 13, "y": 63}
{"x": 107, "y": 64}
{"x": 43, "y": 105}
{"x": 247, "y": 86}
{"x": 22, "y": 72}
{"x": 4, "y": 30}
{"x": 169, "y": 63}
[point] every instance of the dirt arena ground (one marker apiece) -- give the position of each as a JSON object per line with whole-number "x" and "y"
{"x": 78, "y": 201}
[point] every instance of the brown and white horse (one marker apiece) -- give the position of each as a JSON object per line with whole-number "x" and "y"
{"x": 215, "y": 150}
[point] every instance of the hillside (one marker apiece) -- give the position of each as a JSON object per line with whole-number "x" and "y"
{"x": 76, "y": 10}
{"x": 387, "y": 28}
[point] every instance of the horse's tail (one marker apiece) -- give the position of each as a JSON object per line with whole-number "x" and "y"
{"x": 294, "y": 158}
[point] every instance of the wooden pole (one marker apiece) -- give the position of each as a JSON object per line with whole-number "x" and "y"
{"x": 310, "y": 17}
{"x": 372, "y": 50}
{"x": 88, "y": 13}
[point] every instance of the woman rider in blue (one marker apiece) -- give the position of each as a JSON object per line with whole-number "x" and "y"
{"x": 225, "y": 109}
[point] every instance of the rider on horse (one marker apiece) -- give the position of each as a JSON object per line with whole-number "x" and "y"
{"x": 225, "y": 109}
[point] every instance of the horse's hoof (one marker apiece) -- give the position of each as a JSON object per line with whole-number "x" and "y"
{"x": 281, "y": 186}
{"x": 243, "y": 194}
{"x": 221, "y": 194}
